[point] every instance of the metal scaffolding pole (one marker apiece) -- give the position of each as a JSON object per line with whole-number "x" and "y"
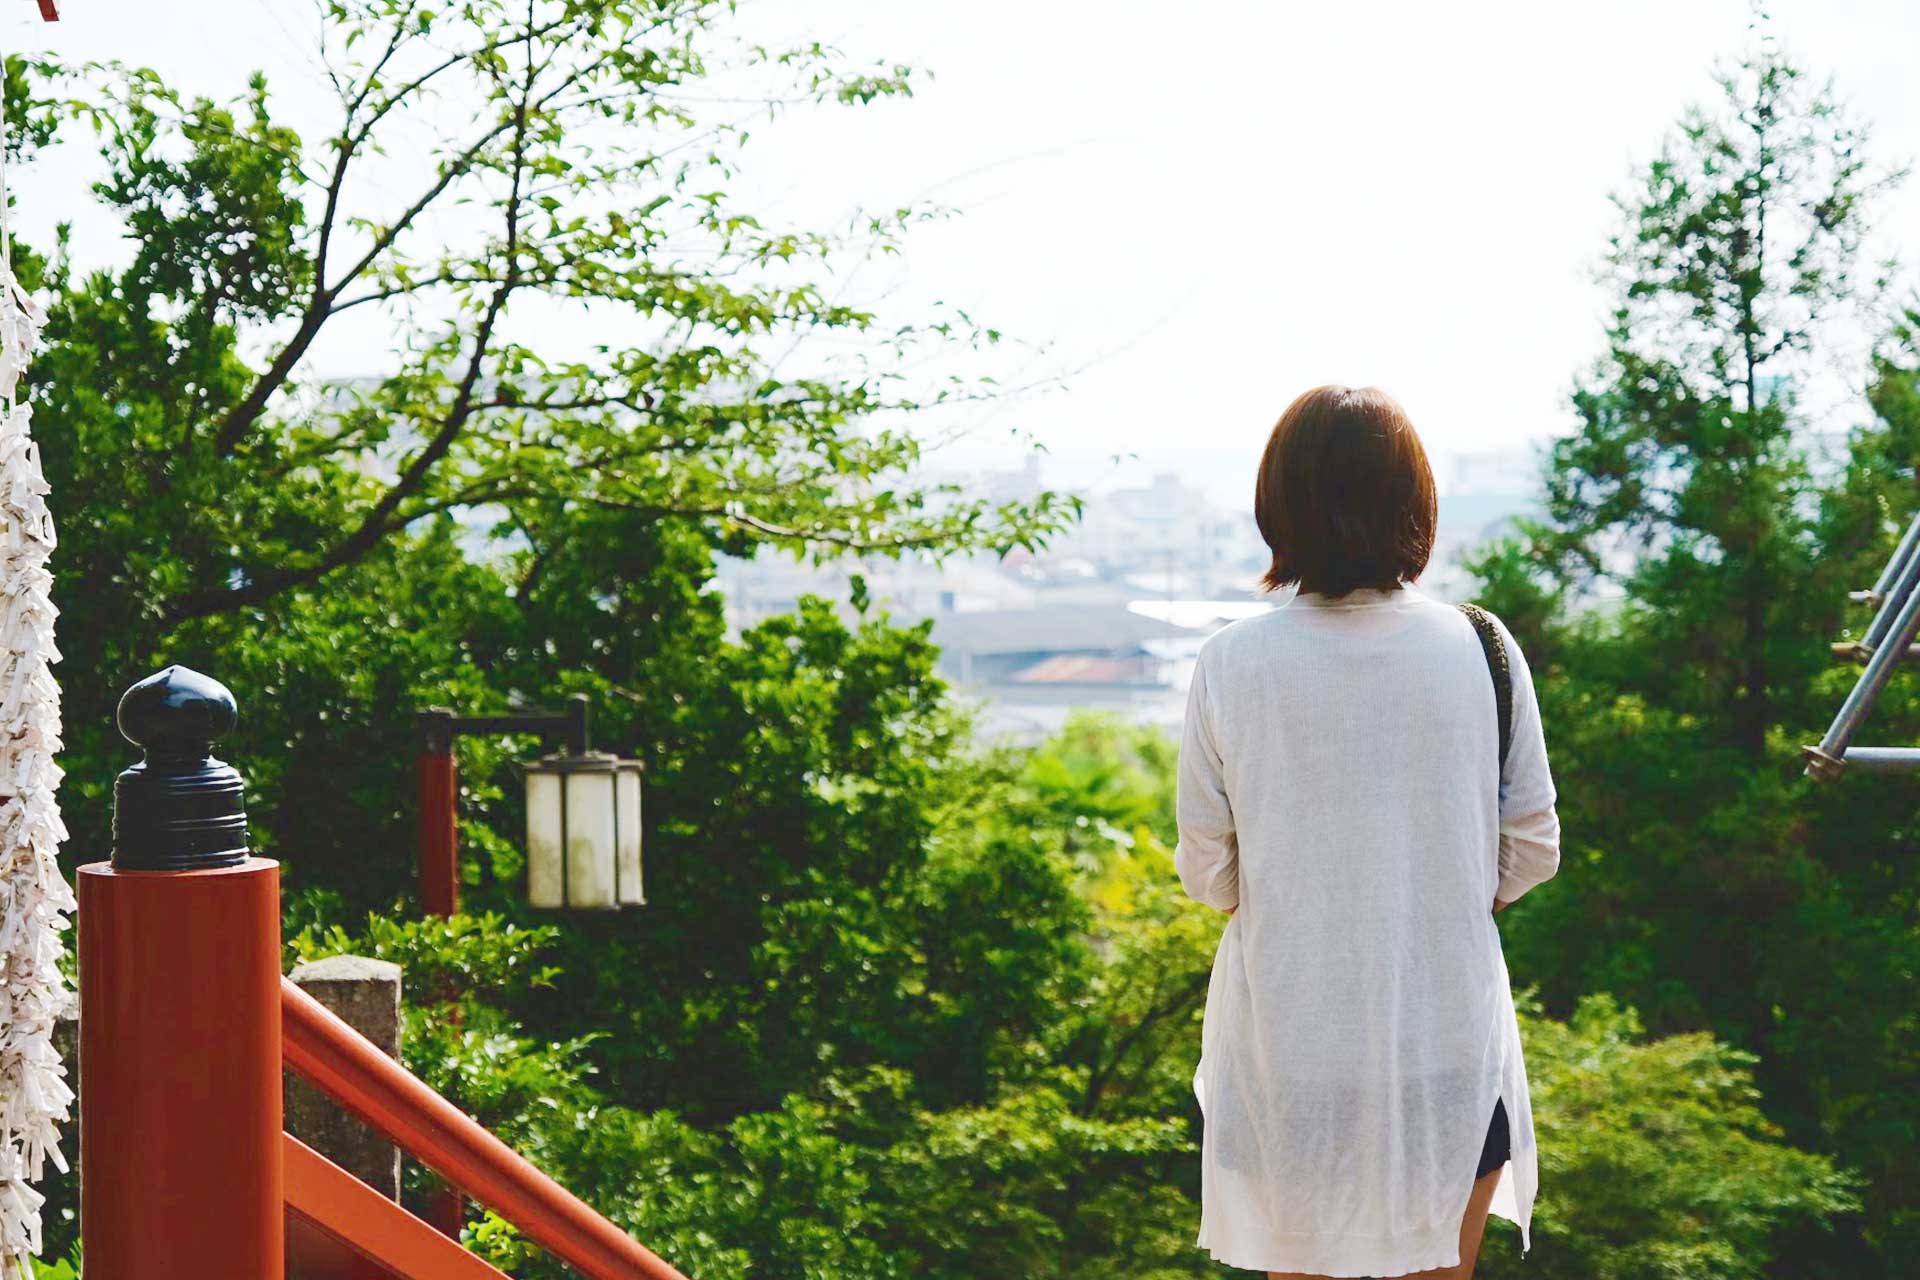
{"x": 1887, "y": 595}
{"x": 1887, "y": 642}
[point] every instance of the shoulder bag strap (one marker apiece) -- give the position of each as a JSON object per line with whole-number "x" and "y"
{"x": 1496, "y": 651}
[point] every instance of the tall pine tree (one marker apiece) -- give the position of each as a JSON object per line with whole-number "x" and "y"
{"x": 1681, "y": 593}
{"x": 1685, "y": 482}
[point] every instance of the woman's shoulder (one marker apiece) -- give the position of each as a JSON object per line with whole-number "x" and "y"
{"x": 1241, "y": 635}
{"x": 1254, "y": 640}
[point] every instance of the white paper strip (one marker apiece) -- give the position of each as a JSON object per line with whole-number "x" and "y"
{"x": 35, "y": 902}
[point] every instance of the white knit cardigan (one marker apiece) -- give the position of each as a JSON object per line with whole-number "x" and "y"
{"x": 1339, "y": 790}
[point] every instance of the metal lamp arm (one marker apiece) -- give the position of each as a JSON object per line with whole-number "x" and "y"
{"x": 439, "y": 726}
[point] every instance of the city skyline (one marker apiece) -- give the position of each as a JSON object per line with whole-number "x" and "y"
{"x": 1110, "y": 614}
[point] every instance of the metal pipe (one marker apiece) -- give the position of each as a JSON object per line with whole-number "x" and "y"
{"x": 1895, "y": 584}
{"x": 1908, "y": 541}
{"x": 342, "y": 1064}
{"x": 180, "y": 1058}
{"x": 1883, "y": 759}
{"x": 439, "y": 726}
{"x": 1827, "y": 760}
{"x": 1856, "y": 652}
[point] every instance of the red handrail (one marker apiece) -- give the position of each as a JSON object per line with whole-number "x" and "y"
{"x": 338, "y": 1061}
{"x": 360, "y": 1223}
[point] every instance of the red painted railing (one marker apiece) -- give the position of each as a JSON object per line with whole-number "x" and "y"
{"x": 340, "y": 1228}
{"x": 186, "y": 1024}
{"x": 338, "y": 1061}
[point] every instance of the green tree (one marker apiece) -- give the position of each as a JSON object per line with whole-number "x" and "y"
{"x": 213, "y": 487}
{"x": 1682, "y": 592}
{"x": 857, "y": 1074}
{"x": 1684, "y": 482}
{"x": 1656, "y": 1158}
{"x": 1077, "y": 1159}
{"x": 896, "y": 1008}
{"x": 491, "y": 515}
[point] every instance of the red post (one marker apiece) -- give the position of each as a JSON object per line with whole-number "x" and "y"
{"x": 440, "y": 896}
{"x": 180, "y": 1010}
{"x": 180, "y": 1073}
{"x": 439, "y": 836}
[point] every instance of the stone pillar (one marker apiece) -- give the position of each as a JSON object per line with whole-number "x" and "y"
{"x": 365, "y": 994}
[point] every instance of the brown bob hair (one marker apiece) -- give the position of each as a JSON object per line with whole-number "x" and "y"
{"x": 1345, "y": 497}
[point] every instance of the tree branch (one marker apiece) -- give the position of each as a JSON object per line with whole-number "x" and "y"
{"x": 378, "y": 523}
{"x": 1182, "y": 999}
{"x": 240, "y": 419}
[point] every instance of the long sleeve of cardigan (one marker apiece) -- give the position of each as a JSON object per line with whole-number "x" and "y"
{"x": 1529, "y": 824}
{"x": 1208, "y": 855}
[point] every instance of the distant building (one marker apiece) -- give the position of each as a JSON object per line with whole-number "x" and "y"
{"x": 1032, "y": 668}
{"x": 1060, "y": 644}
{"x": 772, "y": 583}
{"x": 1168, "y": 538}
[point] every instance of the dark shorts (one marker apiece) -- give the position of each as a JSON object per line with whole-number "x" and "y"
{"x": 1499, "y": 1146}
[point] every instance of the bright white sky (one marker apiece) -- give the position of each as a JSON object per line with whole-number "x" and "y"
{"x": 1204, "y": 209}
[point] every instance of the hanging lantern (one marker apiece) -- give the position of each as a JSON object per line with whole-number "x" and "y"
{"x": 583, "y": 832}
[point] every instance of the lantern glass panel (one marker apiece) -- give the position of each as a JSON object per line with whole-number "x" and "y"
{"x": 546, "y": 883}
{"x": 590, "y": 837}
{"x": 627, "y": 834}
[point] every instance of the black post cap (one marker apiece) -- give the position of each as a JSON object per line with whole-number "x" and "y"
{"x": 179, "y": 809}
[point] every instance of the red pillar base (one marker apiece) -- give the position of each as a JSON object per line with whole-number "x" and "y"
{"x": 180, "y": 1073}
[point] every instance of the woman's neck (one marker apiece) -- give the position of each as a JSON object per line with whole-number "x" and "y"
{"x": 1356, "y": 598}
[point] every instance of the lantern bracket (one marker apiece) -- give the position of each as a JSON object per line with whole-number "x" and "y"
{"x": 439, "y": 726}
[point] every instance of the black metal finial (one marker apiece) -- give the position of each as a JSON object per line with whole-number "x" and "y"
{"x": 179, "y": 809}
